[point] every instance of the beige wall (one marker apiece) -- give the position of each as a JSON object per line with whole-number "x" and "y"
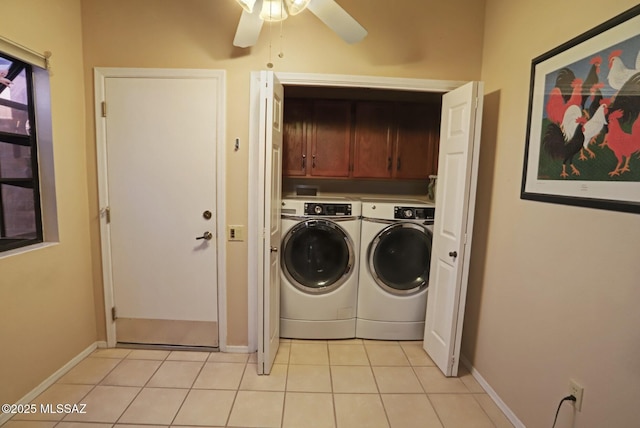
{"x": 46, "y": 296}
{"x": 415, "y": 39}
{"x": 554, "y": 290}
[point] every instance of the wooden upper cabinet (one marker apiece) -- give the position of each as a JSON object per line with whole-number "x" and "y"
{"x": 417, "y": 140}
{"x": 331, "y": 138}
{"x": 297, "y": 123}
{"x": 360, "y": 139}
{"x": 373, "y": 148}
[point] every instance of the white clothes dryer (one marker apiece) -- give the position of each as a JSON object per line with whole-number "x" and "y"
{"x": 395, "y": 253}
{"x": 319, "y": 261}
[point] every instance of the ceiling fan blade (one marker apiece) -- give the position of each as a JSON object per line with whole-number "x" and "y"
{"x": 249, "y": 27}
{"x": 336, "y": 18}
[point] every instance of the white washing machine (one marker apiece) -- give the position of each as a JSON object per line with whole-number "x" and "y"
{"x": 395, "y": 254}
{"x": 319, "y": 260}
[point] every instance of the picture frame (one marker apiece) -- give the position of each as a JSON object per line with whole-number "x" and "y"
{"x": 583, "y": 125}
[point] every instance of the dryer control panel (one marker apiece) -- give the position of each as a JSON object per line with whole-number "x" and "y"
{"x": 326, "y": 209}
{"x": 414, "y": 213}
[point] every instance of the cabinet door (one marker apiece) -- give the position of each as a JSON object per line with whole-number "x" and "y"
{"x": 373, "y": 140}
{"x": 417, "y": 137}
{"x": 331, "y": 142}
{"x": 297, "y": 118}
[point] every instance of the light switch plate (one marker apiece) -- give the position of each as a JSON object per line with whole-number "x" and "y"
{"x": 235, "y": 232}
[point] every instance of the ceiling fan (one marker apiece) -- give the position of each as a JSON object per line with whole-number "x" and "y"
{"x": 328, "y": 11}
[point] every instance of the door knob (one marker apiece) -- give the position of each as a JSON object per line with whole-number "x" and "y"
{"x": 274, "y": 249}
{"x": 453, "y": 254}
{"x": 207, "y": 235}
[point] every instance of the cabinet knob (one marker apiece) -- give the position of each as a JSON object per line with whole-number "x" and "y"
{"x": 304, "y": 161}
{"x": 389, "y": 163}
{"x": 313, "y": 161}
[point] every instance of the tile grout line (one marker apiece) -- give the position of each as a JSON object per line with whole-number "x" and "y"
{"x": 95, "y": 385}
{"x": 189, "y": 389}
{"x": 413, "y": 369}
{"x": 286, "y": 385}
{"x": 142, "y": 387}
{"x": 333, "y": 394}
{"x": 481, "y": 407}
{"x": 237, "y": 391}
{"x": 78, "y": 402}
{"x": 375, "y": 380}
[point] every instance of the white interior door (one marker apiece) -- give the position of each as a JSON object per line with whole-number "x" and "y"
{"x": 270, "y": 137}
{"x": 161, "y": 184}
{"x": 455, "y": 204}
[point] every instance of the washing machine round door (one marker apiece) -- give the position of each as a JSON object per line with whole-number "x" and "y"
{"x": 317, "y": 256}
{"x": 400, "y": 258}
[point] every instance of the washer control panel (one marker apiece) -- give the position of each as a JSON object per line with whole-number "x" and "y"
{"x": 414, "y": 213}
{"x": 325, "y": 209}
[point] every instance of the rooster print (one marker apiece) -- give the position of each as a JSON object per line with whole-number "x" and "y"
{"x": 591, "y": 117}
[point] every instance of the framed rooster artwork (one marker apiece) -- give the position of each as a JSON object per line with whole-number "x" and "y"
{"x": 583, "y": 129}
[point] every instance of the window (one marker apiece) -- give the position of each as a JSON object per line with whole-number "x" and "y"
{"x": 20, "y": 209}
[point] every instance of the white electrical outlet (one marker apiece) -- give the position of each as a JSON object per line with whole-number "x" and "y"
{"x": 577, "y": 391}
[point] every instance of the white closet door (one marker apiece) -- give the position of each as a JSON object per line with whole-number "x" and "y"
{"x": 271, "y": 127}
{"x": 457, "y": 176}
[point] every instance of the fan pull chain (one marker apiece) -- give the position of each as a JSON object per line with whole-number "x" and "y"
{"x": 270, "y": 64}
{"x": 281, "y": 53}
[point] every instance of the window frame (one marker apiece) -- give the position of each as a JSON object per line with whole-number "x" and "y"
{"x": 27, "y": 140}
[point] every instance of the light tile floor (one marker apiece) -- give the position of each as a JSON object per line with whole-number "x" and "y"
{"x": 333, "y": 384}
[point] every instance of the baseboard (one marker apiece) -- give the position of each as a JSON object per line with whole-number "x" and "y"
{"x": 4, "y": 417}
{"x": 491, "y": 393}
{"x": 236, "y": 349}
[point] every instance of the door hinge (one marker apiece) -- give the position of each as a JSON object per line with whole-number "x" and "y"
{"x": 114, "y": 316}
{"x": 106, "y": 211}
{"x": 104, "y": 109}
{"x": 453, "y": 361}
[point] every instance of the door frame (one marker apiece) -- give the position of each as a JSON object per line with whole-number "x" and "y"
{"x": 304, "y": 79}
{"x": 100, "y": 76}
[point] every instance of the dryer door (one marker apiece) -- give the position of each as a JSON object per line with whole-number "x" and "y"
{"x": 400, "y": 258}
{"x": 317, "y": 256}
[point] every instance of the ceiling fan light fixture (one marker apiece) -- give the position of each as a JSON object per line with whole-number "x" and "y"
{"x": 247, "y": 4}
{"x": 294, "y": 7}
{"x": 273, "y": 11}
